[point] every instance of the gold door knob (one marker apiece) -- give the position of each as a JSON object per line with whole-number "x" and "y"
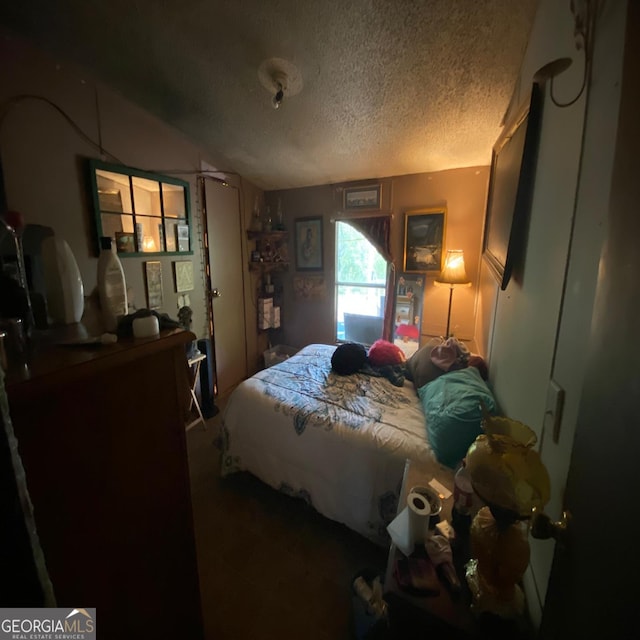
{"x": 543, "y": 528}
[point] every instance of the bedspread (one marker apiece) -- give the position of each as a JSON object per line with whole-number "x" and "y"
{"x": 339, "y": 442}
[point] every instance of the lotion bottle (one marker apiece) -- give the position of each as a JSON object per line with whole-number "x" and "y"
{"x": 112, "y": 287}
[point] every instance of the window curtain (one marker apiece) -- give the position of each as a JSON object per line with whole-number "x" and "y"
{"x": 377, "y": 230}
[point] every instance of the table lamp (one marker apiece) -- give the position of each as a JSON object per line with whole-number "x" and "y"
{"x": 453, "y": 274}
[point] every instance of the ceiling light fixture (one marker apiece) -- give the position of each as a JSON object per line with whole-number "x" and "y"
{"x": 280, "y": 78}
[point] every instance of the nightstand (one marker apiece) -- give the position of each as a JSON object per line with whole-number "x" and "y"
{"x": 447, "y": 614}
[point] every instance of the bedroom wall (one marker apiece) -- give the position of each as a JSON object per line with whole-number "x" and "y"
{"x": 464, "y": 193}
{"x": 43, "y": 161}
{"x": 538, "y": 329}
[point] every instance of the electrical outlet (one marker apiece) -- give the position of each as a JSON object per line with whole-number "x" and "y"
{"x": 553, "y": 409}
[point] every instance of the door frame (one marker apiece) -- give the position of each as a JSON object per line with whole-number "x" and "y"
{"x": 207, "y": 270}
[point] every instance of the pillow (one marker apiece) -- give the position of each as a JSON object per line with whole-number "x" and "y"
{"x": 383, "y": 352}
{"x": 420, "y": 368}
{"x": 348, "y": 358}
{"x": 452, "y": 408}
{"x": 450, "y": 355}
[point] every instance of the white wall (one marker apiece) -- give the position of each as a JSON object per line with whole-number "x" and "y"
{"x": 538, "y": 329}
{"x": 44, "y": 168}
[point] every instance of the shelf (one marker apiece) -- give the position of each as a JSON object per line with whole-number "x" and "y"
{"x": 268, "y": 266}
{"x": 271, "y": 249}
{"x": 275, "y": 235}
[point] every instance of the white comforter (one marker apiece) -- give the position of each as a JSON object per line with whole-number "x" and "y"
{"x": 339, "y": 442}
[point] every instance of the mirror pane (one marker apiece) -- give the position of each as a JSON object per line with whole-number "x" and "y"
{"x": 115, "y": 222}
{"x": 113, "y": 191}
{"x": 409, "y": 301}
{"x": 173, "y": 197}
{"x": 146, "y": 197}
{"x": 149, "y": 234}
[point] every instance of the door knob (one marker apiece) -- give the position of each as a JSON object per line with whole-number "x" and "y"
{"x": 543, "y": 528}
{"x": 215, "y": 293}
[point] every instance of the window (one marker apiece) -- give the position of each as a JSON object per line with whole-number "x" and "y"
{"x": 361, "y": 274}
{"x": 143, "y": 212}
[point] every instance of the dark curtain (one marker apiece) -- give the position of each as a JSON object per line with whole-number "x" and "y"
{"x": 377, "y": 230}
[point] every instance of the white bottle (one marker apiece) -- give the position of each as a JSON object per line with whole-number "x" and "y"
{"x": 111, "y": 286}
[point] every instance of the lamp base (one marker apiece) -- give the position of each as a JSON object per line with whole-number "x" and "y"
{"x": 486, "y": 600}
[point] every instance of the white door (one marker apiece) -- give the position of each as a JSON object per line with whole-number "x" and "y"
{"x": 593, "y": 589}
{"x": 222, "y": 205}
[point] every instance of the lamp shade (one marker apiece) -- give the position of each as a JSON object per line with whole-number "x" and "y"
{"x": 454, "y": 271}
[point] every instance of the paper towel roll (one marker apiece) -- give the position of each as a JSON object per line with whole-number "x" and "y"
{"x": 419, "y": 514}
{"x": 411, "y": 525}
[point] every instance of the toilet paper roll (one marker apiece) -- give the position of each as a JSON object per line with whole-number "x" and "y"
{"x": 145, "y": 327}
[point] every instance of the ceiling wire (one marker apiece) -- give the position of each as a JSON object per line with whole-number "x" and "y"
{"x": 11, "y": 102}
{"x": 7, "y": 105}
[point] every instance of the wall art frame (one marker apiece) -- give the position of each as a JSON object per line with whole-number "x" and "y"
{"x": 308, "y": 244}
{"x": 424, "y": 236}
{"x": 513, "y": 165}
{"x": 183, "y": 270}
{"x": 153, "y": 282}
{"x": 363, "y": 198}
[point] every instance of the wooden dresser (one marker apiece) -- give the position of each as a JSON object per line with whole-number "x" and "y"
{"x": 101, "y": 434}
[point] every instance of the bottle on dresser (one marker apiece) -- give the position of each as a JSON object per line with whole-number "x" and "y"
{"x": 112, "y": 288}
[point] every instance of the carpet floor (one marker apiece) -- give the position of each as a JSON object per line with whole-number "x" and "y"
{"x": 269, "y": 565}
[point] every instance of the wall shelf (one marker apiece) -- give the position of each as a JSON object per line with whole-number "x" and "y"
{"x": 267, "y": 267}
{"x": 270, "y": 253}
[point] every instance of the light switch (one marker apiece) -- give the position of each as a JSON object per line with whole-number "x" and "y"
{"x": 553, "y": 409}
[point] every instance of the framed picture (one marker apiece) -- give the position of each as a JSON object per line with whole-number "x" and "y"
{"x": 308, "y": 244}
{"x": 424, "y": 240}
{"x": 125, "y": 242}
{"x": 367, "y": 197}
{"x": 182, "y": 237}
{"x": 184, "y": 275}
{"x": 153, "y": 278}
{"x": 513, "y": 163}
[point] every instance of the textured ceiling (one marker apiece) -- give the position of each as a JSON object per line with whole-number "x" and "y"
{"x": 388, "y": 87}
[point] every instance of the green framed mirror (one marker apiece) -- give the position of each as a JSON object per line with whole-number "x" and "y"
{"x": 144, "y": 213}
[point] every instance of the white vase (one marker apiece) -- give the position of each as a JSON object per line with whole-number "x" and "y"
{"x": 63, "y": 282}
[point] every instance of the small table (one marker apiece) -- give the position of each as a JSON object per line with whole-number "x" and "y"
{"x": 412, "y": 616}
{"x": 194, "y": 364}
{"x": 447, "y": 613}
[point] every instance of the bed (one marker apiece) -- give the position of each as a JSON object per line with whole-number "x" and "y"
{"x": 338, "y": 442}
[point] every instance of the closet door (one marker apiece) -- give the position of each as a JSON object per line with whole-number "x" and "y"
{"x": 227, "y": 305}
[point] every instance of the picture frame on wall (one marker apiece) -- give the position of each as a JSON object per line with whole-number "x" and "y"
{"x": 184, "y": 275}
{"x": 153, "y": 281}
{"x": 308, "y": 242}
{"x": 424, "y": 234}
{"x": 363, "y": 198}
{"x": 513, "y": 163}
